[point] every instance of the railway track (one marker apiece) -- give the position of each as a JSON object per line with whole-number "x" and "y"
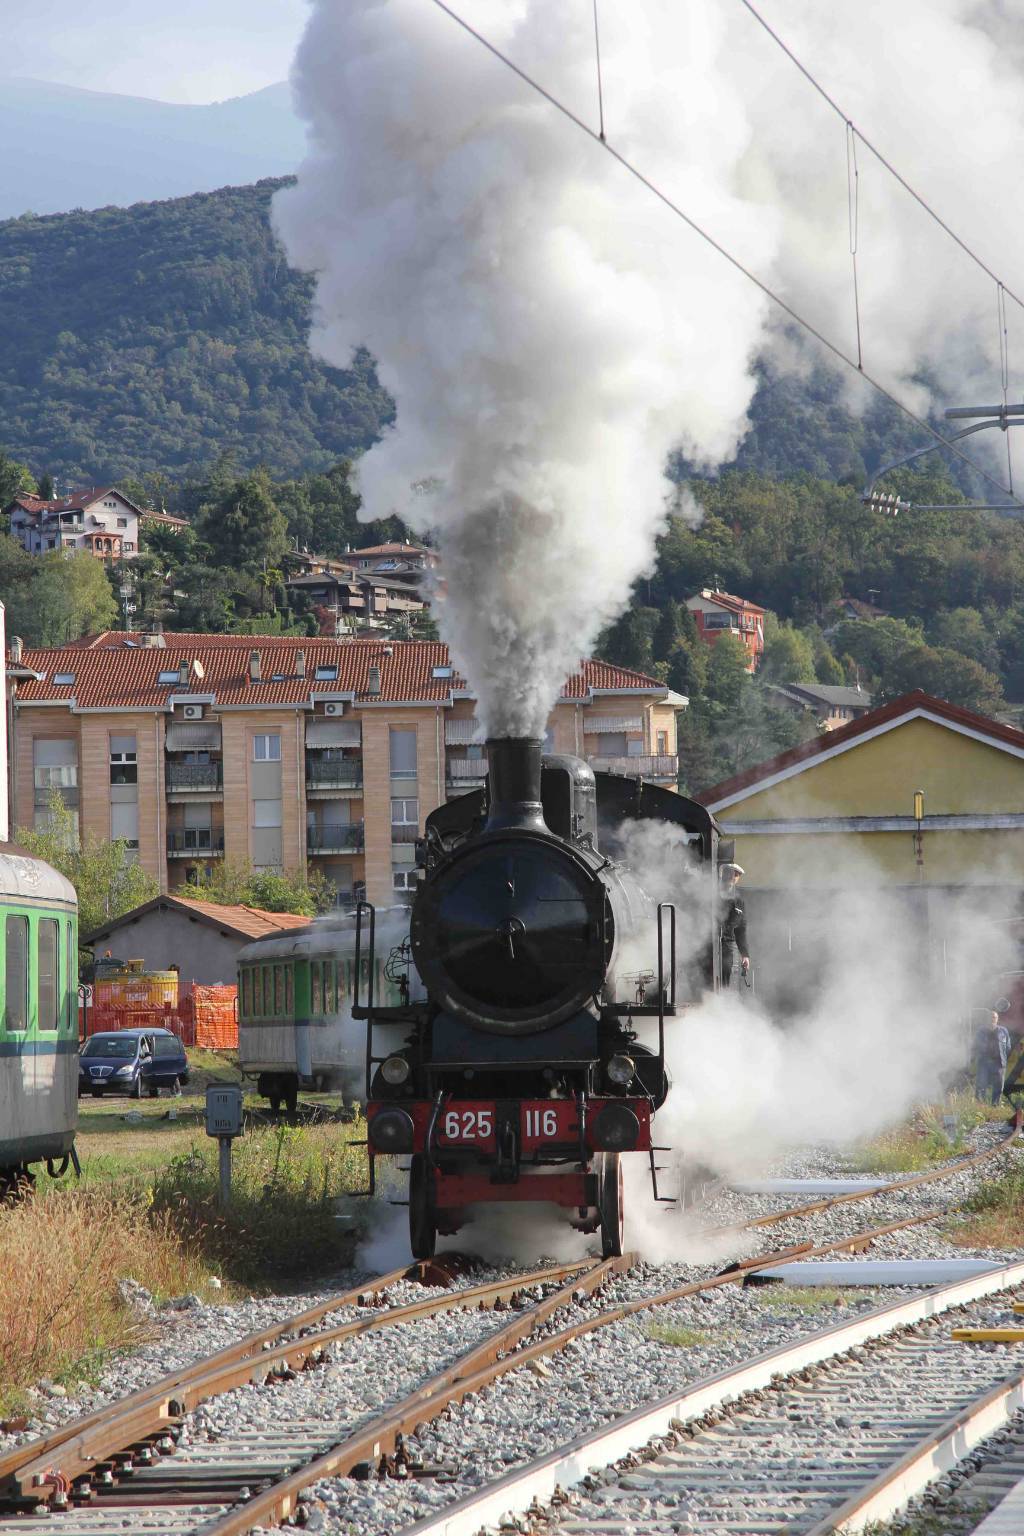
{"x": 126, "y": 1458}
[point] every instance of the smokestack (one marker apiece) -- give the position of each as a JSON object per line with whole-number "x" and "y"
{"x": 255, "y": 670}
{"x": 16, "y": 650}
{"x": 373, "y": 680}
{"x": 513, "y": 783}
{"x": 300, "y": 663}
{"x": 183, "y": 674}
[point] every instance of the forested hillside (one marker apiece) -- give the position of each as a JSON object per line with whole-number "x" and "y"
{"x": 161, "y": 336}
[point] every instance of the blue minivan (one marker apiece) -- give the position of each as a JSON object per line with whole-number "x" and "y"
{"x": 132, "y": 1061}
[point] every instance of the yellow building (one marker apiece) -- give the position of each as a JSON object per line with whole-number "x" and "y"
{"x": 287, "y": 753}
{"x": 917, "y": 797}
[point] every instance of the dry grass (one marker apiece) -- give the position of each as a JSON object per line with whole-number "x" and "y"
{"x": 61, "y": 1256}
{"x": 683, "y": 1337}
{"x": 799, "y": 1298}
{"x": 926, "y": 1140}
{"x": 995, "y": 1216}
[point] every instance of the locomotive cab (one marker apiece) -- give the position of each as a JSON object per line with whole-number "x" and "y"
{"x": 522, "y": 1077}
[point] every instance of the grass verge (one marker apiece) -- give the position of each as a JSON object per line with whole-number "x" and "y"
{"x": 289, "y": 1215}
{"x": 799, "y": 1298}
{"x": 61, "y": 1256}
{"x": 683, "y": 1337}
{"x": 995, "y": 1214}
{"x": 934, "y": 1133}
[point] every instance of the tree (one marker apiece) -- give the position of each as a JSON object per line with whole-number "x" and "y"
{"x": 629, "y": 641}
{"x": 240, "y": 884}
{"x": 945, "y": 674}
{"x": 727, "y": 671}
{"x": 46, "y": 486}
{"x": 966, "y": 631}
{"x": 108, "y": 879}
{"x": 14, "y": 478}
{"x": 788, "y": 653}
{"x": 54, "y": 598}
{"x": 244, "y": 528}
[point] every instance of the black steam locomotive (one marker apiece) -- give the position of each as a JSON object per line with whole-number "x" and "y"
{"x": 524, "y": 1075}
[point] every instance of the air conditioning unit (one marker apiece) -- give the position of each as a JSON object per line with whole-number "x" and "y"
{"x": 334, "y": 709}
{"x": 193, "y": 711}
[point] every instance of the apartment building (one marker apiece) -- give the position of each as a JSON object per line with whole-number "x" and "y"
{"x": 721, "y": 613}
{"x": 287, "y": 752}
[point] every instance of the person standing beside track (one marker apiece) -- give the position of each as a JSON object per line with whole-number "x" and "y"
{"x": 991, "y": 1053}
{"x": 732, "y": 922}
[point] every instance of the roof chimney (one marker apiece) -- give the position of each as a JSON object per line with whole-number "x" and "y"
{"x": 16, "y": 650}
{"x": 373, "y": 681}
{"x": 255, "y": 670}
{"x": 300, "y": 663}
{"x": 182, "y": 674}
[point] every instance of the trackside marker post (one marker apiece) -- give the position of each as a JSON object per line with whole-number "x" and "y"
{"x": 224, "y": 1120}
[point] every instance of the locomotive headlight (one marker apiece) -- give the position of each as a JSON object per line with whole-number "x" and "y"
{"x": 395, "y": 1071}
{"x": 616, "y": 1128}
{"x": 391, "y": 1130}
{"x": 620, "y": 1070}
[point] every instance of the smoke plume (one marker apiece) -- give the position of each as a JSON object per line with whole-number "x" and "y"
{"x": 551, "y": 332}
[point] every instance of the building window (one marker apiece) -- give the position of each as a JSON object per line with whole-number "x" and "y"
{"x": 405, "y": 880}
{"x": 635, "y": 747}
{"x": 662, "y": 743}
{"x": 718, "y": 621}
{"x": 611, "y": 744}
{"x": 55, "y": 765}
{"x": 170, "y": 676}
{"x": 124, "y": 822}
{"x": 124, "y": 767}
{"x": 403, "y": 753}
{"x": 326, "y": 674}
{"x": 266, "y": 749}
{"x": 266, "y": 813}
{"x": 16, "y": 974}
{"x": 122, "y": 522}
{"x": 442, "y": 672}
{"x": 405, "y": 813}
{"x": 64, "y": 679}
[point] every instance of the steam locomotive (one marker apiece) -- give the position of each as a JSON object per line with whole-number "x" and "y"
{"x": 537, "y": 1057}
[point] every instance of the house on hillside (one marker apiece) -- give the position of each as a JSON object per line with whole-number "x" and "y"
{"x": 831, "y": 706}
{"x": 406, "y": 561}
{"x": 100, "y": 520}
{"x": 364, "y": 596}
{"x": 718, "y": 613}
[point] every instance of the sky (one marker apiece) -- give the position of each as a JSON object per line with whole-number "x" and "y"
{"x": 186, "y": 51}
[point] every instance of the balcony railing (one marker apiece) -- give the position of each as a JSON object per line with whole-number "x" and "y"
{"x": 473, "y": 768}
{"x": 404, "y": 831}
{"x": 195, "y": 776}
{"x": 195, "y": 840}
{"x": 343, "y": 838}
{"x": 342, "y": 773}
{"x": 663, "y": 766}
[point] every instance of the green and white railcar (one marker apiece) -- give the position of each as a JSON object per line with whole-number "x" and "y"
{"x": 295, "y": 991}
{"x": 38, "y": 1016}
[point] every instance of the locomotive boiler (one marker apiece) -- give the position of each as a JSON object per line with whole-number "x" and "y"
{"x": 537, "y": 1058}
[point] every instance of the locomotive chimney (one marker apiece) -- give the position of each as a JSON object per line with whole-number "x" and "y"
{"x": 513, "y": 779}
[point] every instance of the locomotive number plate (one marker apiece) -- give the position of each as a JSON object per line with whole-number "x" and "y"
{"x": 473, "y": 1123}
{"x": 548, "y": 1120}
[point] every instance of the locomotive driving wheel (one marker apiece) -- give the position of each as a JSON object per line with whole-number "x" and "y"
{"x": 611, "y": 1204}
{"x": 422, "y": 1215}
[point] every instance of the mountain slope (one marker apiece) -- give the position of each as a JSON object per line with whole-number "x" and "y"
{"x": 158, "y": 336}
{"x": 68, "y": 148}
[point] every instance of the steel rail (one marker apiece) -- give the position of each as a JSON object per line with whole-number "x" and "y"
{"x": 484, "y": 1363}
{"x": 632, "y": 1434}
{"x": 930, "y": 1176}
{"x": 101, "y": 1434}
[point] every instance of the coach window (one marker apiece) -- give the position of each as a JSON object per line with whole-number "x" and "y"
{"x": 289, "y": 991}
{"x": 16, "y": 973}
{"x": 71, "y": 978}
{"x": 278, "y": 989}
{"x": 47, "y": 950}
{"x": 316, "y": 990}
{"x": 243, "y": 992}
{"x": 268, "y": 995}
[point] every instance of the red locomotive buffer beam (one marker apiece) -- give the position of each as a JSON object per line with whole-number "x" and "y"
{"x": 548, "y": 1128}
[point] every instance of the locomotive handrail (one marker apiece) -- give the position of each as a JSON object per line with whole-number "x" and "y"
{"x": 663, "y": 907}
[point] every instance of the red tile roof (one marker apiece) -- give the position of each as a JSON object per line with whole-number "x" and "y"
{"x": 110, "y": 673}
{"x": 886, "y": 714}
{"x": 729, "y": 600}
{"x": 246, "y": 922}
{"x": 76, "y": 502}
{"x": 391, "y": 549}
{"x": 165, "y": 519}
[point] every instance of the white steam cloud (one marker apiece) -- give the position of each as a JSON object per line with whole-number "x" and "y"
{"x": 551, "y": 332}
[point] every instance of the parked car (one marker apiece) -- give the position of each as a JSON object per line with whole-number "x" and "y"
{"x": 132, "y": 1061}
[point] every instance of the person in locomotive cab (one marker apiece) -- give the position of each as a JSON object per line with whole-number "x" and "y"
{"x": 733, "y": 922}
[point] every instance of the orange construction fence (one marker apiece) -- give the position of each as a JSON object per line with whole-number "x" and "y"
{"x": 205, "y": 1015}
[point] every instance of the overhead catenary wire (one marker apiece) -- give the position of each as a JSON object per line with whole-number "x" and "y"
{"x": 918, "y": 197}
{"x": 716, "y": 245}
{"x": 1004, "y": 367}
{"x": 853, "y": 212}
{"x": 600, "y": 86}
